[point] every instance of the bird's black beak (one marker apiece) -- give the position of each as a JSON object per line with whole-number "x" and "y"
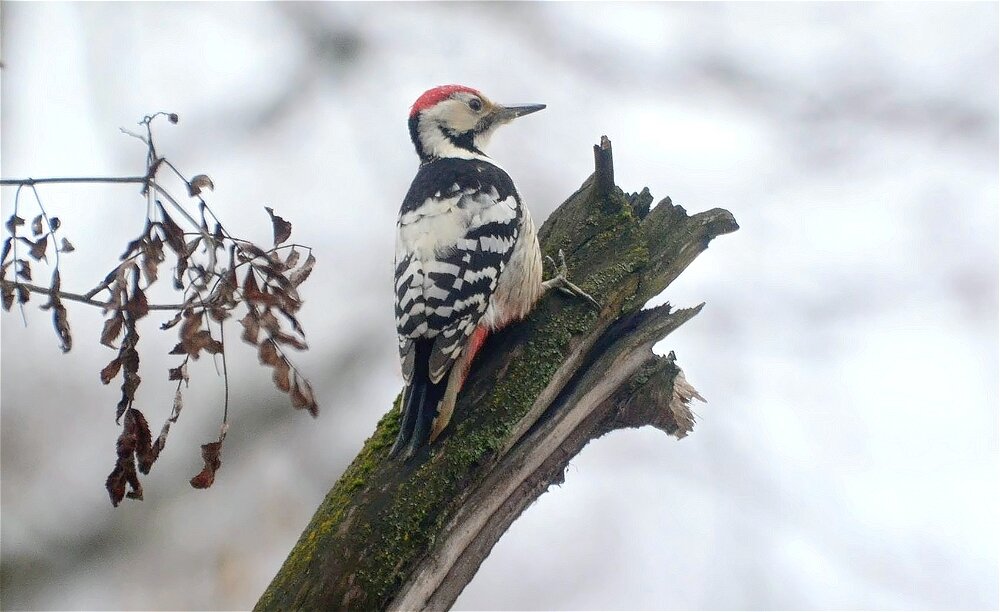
{"x": 504, "y": 113}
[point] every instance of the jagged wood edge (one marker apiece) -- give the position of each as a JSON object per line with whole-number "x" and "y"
{"x": 380, "y": 536}
{"x": 587, "y": 408}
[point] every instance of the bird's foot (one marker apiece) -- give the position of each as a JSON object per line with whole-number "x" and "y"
{"x": 562, "y": 283}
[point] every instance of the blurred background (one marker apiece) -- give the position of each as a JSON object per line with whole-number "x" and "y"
{"x": 847, "y": 457}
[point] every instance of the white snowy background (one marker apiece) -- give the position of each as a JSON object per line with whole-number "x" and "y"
{"x": 848, "y": 455}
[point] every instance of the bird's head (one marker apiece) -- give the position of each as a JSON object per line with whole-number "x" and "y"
{"x": 458, "y": 121}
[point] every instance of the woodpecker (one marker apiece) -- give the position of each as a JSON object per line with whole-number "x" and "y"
{"x": 467, "y": 255}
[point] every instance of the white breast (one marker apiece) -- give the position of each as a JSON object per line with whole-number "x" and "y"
{"x": 434, "y": 228}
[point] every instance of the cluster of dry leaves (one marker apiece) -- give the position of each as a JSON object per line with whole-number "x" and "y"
{"x": 218, "y": 277}
{"x": 42, "y": 228}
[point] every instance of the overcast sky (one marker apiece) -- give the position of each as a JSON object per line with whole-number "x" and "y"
{"x": 847, "y": 457}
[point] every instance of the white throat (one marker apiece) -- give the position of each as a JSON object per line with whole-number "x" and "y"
{"x": 436, "y": 144}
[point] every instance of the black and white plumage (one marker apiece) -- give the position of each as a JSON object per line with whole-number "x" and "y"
{"x": 467, "y": 255}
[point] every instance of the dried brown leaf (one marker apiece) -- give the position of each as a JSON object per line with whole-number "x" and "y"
{"x": 7, "y": 295}
{"x": 176, "y": 411}
{"x": 38, "y": 247}
{"x": 194, "y": 339}
{"x": 224, "y": 295}
{"x": 249, "y": 252}
{"x": 192, "y": 245}
{"x": 54, "y": 223}
{"x": 230, "y": 282}
{"x": 149, "y": 457}
{"x": 179, "y": 271}
{"x": 6, "y": 249}
{"x": 280, "y": 376}
{"x": 292, "y": 259}
{"x": 143, "y": 441}
{"x": 152, "y": 256}
{"x": 23, "y": 295}
{"x": 210, "y": 455}
{"x": 253, "y": 293}
{"x": 137, "y": 305}
{"x": 302, "y": 396}
{"x": 23, "y": 269}
{"x": 178, "y": 373}
{"x": 173, "y": 321}
{"x": 191, "y": 325}
{"x": 109, "y": 371}
{"x": 287, "y": 340}
{"x": 282, "y": 229}
{"x": 251, "y": 327}
{"x": 199, "y": 183}
{"x": 250, "y": 288}
{"x": 299, "y": 399}
{"x": 269, "y": 322}
{"x": 66, "y": 246}
{"x": 276, "y": 274}
{"x": 174, "y": 233}
{"x": 131, "y": 248}
{"x": 300, "y": 275}
{"x": 36, "y": 225}
{"x": 295, "y": 322}
{"x": 204, "y": 340}
{"x": 112, "y": 329}
{"x": 268, "y": 354}
{"x": 130, "y": 359}
{"x": 124, "y": 474}
{"x": 130, "y": 364}
{"x": 60, "y": 319}
{"x": 13, "y": 223}
{"x": 150, "y": 269}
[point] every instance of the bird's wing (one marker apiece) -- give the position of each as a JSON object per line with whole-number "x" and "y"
{"x": 451, "y": 250}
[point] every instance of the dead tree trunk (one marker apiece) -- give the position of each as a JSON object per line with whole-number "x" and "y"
{"x": 411, "y": 536}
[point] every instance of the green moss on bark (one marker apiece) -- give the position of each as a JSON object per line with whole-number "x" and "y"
{"x": 382, "y": 517}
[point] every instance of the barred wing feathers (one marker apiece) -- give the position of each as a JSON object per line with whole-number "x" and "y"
{"x": 457, "y": 229}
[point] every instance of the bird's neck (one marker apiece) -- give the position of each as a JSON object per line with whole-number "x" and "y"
{"x": 432, "y": 141}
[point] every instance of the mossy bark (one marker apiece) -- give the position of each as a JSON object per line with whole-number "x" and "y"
{"x": 411, "y": 535}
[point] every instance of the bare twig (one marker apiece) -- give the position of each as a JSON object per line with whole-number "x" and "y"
{"x": 81, "y": 297}
{"x": 48, "y": 222}
{"x": 13, "y": 233}
{"x": 81, "y": 180}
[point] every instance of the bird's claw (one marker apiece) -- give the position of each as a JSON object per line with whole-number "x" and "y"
{"x": 563, "y": 284}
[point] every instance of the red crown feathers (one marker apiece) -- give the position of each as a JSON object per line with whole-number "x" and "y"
{"x": 433, "y": 96}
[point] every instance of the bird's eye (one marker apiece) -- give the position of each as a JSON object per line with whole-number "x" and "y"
{"x": 476, "y": 104}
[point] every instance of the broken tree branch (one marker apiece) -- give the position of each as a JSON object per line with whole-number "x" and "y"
{"x": 410, "y": 536}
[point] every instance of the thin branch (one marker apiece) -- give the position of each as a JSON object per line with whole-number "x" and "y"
{"x": 13, "y": 233}
{"x": 225, "y": 373}
{"x": 209, "y": 239}
{"x": 27, "y": 182}
{"x": 105, "y": 284}
{"x": 78, "y": 297}
{"x": 48, "y": 224}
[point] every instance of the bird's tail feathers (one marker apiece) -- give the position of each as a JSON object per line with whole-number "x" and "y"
{"x": 456, "y": 379}
{"x": 428, "y": 406}
{"x": 419, "y": 408}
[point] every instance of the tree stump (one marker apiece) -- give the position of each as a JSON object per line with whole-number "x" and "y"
{"x": 410, "y": 536}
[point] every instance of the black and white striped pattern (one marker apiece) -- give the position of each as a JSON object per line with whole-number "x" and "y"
{"x": 457, "y": 229}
